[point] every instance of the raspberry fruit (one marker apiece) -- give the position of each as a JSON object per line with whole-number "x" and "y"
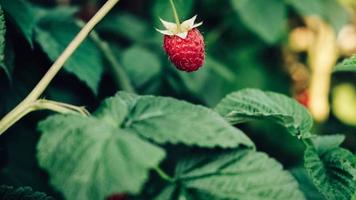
{"x": 303, "y": 98}
{"x": 186, "y": 54}
{"x": 184, "y": 44}
{"x": 117, "y": 197}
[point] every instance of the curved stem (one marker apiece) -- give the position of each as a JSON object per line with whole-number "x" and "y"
{"x": 17, "y": 113}
{"x": 163, "y": 175}
{"x": 175, "y": 13}
{"x": 43, "y": 104}
{"x": 118, "y": 73}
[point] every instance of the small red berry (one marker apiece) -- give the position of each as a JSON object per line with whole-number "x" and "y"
{"x": 117, "y": 197}
{"x": 186, "y": 54}
{"x": 184, "y": 44}
{"x": 303, "y": 98}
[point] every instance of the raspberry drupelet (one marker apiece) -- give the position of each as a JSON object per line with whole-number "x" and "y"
{"x": 184, "y": 45}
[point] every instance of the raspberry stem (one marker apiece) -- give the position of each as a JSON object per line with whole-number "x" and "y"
{"x": 163, "y": 175}
{"x": 26, "y": 105}
{"x": 175, "y": 13}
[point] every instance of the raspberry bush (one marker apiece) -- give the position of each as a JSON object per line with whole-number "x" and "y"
{"x": 96, "y": 102}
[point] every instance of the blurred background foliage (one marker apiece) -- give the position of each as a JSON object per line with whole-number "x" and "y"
{"x": 248, "y": 44}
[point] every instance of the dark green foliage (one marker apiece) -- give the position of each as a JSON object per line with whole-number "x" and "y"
{"x": 331, "y": 168}
{"x": 265, "y": 18}
{"x": 22, "y": 193}
{"x": 23, "y": 15}
{"x": 54, "y": 32}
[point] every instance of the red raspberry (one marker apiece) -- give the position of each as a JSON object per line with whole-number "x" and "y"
{"x": 303, "y": 98}
{"x": 184, "y": 44}
{"x": 186, "y": 54}
{"x": 117, "y": 197}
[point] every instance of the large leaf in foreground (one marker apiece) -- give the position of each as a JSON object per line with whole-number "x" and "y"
{"x": 253, "y": 104}
{"x": 22, "y": 193}
{"x": 167, "y": 120}
{"x": 306, "y": 185}
{"x": 332, "y": 169}
{"x": 88, "y": 158}
{"x": 92, "y": 157}
{"x": 54, "y": 33}
{"x": 234, "y": 175}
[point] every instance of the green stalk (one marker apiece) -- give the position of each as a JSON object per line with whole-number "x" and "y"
{"x": 175, "y": 13}
{"x": 26, "y": 105}
{"x": 163, "y": 175}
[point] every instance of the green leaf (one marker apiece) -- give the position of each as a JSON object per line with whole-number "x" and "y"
{"x": 162, "y": 9}
{"x": 347, "y": 65}
{"x": 22, "y": 193}
{"x": 335, "y": 14}
{"x": 233, "y": 175}
{"x": 141, "y": 65}
{"x": 88, "y": 158}
{"x": 329, "y": 10}
{"x": 126, "y": 25}
{"x": 167, "y": 120}
{"x": 2, "y": 43}
{"x": 268, "y": 19}
{"x": 54, "y": 33}
{"x": 92, "y": 157}
{"x": 252, "y": 104}
{"x": 306, "y": 184}
{"x": 8, "y": 63}
{"x": 333, "y": 170}
{"x": 23, "y": 16}
{"x": 306, "y": 7}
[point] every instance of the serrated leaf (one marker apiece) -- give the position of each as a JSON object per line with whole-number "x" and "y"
{"x": 55, "y": 32}
{"x": 212, "y": 71}
{"x": 2, "y": 43}
{"x": 333, "y": 170}
{"x": 167, "y": 120}
{"x": 234, "y": 175}
{"x": 22, "y": 193}
{"x": 23, "y": 15}
{"x": 268, "y": 19}
{"x": 141, "y": 65}
{"x": 347, "y": 65}
{"x": 252, "y": 104}
{"x": 89, "y": 158}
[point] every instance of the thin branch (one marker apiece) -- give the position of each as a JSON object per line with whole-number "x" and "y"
{"x": 18, "y": 112}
